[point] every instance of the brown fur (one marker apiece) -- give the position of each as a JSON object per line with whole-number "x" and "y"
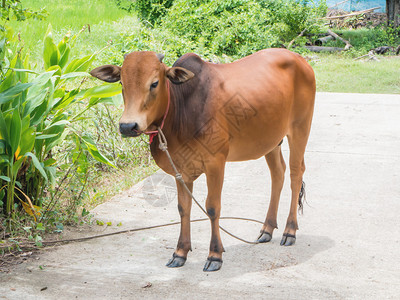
{"x": 220, "y": 113}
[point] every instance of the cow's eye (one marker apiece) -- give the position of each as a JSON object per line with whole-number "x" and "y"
{"x": 153, "y": 85}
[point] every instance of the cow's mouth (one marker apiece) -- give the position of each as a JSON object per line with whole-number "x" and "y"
{"x": 132, "y": 134}
{"x": 129, "y": 130}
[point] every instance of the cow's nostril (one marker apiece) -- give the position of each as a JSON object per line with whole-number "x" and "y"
{"x": 129, "y": 129}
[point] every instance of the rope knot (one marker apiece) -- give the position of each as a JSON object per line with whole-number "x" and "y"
{"x": 179, "y": 177}
{"x": 163, "y": 147}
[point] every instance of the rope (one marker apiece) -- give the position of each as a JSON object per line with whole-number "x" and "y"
{"x": 138, "y": 229}
{"x": 178, "y": 176}
{"x": 164, "y": 147}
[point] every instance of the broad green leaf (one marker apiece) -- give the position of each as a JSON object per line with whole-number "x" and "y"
{"x": 57, "y": 123}
{"x": 41, "y": 80}
{"x": 71, "y": 66}
{"x": 26, "y": 121}
{"x": 16, "y": 166}
{"x": 50, "y": 143}
{"x": 56, "y": 127}
{"x": 39, "y": 113}
{"x": 37, "y": 95}
{"x": 49, "y": 162}
{"x": 94, "y": 152}
{"x": 103, "y": 91}
{"x": 51, "y": 54}
{"x": 64, "y": 57}
{"x": 3, "y": 129}
{"x": 62, "y": 45}
{"x": 27, "y": 141}
{"x": 52, "y": 172}
{"x": 74, "y": 75}
{"x": 37, "y": 164}
{"x": 5, "y": 178}
{"x": 34, "y": 101}
{"x": 15, "y": 130}
{"x": 17, "y": 183}
{"x": 66, "y": 99}
{"x": 9, "y": 80}
{"x": 80, "y": 65}
{"x": 2, "y": 145}
{"x": 4, "y": 159}
{"x": 55, "y": 68}
{"x": 13, "y": 92}
{"x": 84, "y": 64}
{"x": 59, "y": 92}
{"x": 45, "y": 136}
{"x": 20, "y": 76}
{"x": 25, "y": 71}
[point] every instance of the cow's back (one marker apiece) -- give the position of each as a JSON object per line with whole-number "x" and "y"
{"x": 259, "y": 97}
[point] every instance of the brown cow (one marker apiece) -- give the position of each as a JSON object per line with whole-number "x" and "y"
{"x": 216, "y": 113}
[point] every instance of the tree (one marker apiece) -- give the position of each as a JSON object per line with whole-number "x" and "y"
{"x": 393, "y": 12}
{"x": 14, "y": 9}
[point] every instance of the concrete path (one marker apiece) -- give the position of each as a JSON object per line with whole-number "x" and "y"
{"x": 348, "y": 245}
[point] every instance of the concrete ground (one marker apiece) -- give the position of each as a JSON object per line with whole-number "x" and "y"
{"x": 347, "y": 247}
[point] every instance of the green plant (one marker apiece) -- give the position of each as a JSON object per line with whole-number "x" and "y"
{"x": 150, "y": 10}
{"x": 13, "y": 9}
{"x": 240, "y": 27}
{"x": 363, "y": 40}
{"x": 35, "y": 118}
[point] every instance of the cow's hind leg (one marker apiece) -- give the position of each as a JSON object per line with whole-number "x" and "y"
{"x": 297, "y": 139}
{"x": 277, "y": 169}
{"x": 184, "y": 243}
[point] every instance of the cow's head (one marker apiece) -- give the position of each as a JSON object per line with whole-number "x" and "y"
{"x": 144, "y": 88}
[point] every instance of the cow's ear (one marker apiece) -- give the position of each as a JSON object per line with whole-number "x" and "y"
{"x": 179, "y": 75}
{"x": 108, "y": 73}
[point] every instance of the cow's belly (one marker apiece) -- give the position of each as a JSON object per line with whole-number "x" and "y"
{"x": 254, "y": 135}
{"x": 254, "y": 145}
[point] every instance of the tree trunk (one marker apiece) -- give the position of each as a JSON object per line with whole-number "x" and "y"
{"x": 393, "y": 12}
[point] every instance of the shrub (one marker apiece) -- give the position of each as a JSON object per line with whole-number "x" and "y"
{"x": 150, "y": 11}
{"x": 234, "y": 28}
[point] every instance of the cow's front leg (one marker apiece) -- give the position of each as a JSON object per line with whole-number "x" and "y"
{"x": 215, "y": 178}
{"x": 184, "y": 244}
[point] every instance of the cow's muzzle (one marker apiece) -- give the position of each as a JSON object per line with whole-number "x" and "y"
{"x": 129, "y": 129}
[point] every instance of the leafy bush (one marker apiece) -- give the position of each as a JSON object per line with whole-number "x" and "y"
{"x": 234, "y": 28}
{"x": 150, "y": 11}
{"x": 13, "y": 9}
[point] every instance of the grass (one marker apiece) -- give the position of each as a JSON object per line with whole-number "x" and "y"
{"x": 119, "y": 180}
{"x": 105, "y": 19}
{"x": 71, "y": 14}
{"x": 108, "y": 25}
{"x": 336, "y": 73}
{"x": 366, "y": 39}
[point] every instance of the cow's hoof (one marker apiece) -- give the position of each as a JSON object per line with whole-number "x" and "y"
{"x": 288, "y": 239}
{"x": 264, "y": 237}
{"x": 176, "y": 261}
{"x": 212, "y": 264}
